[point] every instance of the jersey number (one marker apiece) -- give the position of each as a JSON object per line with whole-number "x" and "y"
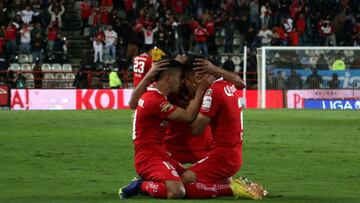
{"x": 139, "y": 66}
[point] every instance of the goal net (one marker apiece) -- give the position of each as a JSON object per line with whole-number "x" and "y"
{"x": 309, "y": 77}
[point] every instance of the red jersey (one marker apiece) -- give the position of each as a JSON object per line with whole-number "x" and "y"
{"x": 222, "y": 104}
{"x": 85, "y": 10}
{"x": 142, "y": 65}
{"x": 200, "y": 35}
{"x": 180, "y": 139}
{"x": 10, "y": 32}
{"x": 210, "y": 27}
{"x": 149, "y": 126}
{"x": 293, "y": 38}
{"x": 52, "y": 34}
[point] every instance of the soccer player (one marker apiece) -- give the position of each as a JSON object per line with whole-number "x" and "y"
{"x": 179, "y": 142}
{"x": 141, "y": 66}
{"x": 151, "y": 116}
{"x": 221, "y": 109}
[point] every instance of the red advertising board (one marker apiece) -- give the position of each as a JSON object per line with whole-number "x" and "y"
{"x": 4, "y": 95}
{"x": 93, "y": 99}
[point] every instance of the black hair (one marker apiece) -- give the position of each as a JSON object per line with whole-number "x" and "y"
{"x": 189, "y": 62}
{"x": 173, "y": 65}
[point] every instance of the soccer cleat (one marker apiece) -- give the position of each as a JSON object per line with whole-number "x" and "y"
{"x": 132, "y": 189}
{"x": 243, "y": 188}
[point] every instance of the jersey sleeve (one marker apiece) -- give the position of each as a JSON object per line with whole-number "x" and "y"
{"x": 210, "y": 104}
{"x": 163, "y": 107}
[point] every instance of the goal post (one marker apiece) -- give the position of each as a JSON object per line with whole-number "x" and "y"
{"x": 286, "y": 69}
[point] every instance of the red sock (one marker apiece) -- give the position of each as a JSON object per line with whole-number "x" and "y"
{"x": 154, "y": 189}
{"x": 207, "y": 190}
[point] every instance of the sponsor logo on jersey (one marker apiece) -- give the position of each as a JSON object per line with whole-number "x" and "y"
{"x": 230, "y": 90}
{"x": 206, "y": 104}
{"x": 166, "y": 106}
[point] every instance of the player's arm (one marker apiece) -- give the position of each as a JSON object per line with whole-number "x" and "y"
{"x": 205, "y": 66}
{"x": 189, "y": 114}
{"x": 141, "y": 88}
{"x": 199, "y": 125}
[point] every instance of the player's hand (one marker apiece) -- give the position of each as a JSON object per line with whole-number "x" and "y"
{"x": 203, "y": 66}
{"x": 156, "y": 68}
{"x": 206, "y": 81}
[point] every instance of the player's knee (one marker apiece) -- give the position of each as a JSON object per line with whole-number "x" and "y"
{"x": 188, "y": 177}
{"x": 176, "y": 193}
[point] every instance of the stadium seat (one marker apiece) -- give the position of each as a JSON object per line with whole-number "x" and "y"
{"x": 29, "y": 83}
{"x": 31, "y": 59}
{"x": 348, "y": 53}
{"x": 46, "y": 67}
{"x": 238, "y": 68}
{"x": 15, "y": 66}
{"x": 56, "y": 67}
{"x": 26, "y": 67}
{"x": 49, "y": 81}
{"x": 237, "y": 41}
{"x": 313, "y": 60}
{"x": 223, "y": 59}
{"x": 70, "y": 77}
{"x": 67, "y": 67}
{"x": 236, "y": 60}
{"x": 23, "y": 58}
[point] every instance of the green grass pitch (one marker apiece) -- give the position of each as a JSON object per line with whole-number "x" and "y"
{"x": 85, "y": 156}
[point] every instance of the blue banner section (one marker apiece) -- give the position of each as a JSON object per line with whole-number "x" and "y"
{"x": 348, "y": 78}
{"x": 332, "y": 104}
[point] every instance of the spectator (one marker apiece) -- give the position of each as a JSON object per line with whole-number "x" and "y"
{"x": 314, "y": 81}
{"x": 162, "y": 39}
{"x": 210, "y": 27}
{"x": 322, "y": 63}
{"x": 149, "y": 36}
{"x": 51, "y": 37}
{"x": 177, "y": 38}
{"x": 157, "y": 54}
{"x": 279, "y": 82}
{"x": 37, "y": 44}
{"x": 279, "y": 36}
{"x": 229, "y": 28}
{"x": 98, "y": 49}
{"x": 229, "y": 64}
{"x": 288, "y": 24}
{"x": 80, "y": 81}
{"x": 19, "y": 80}
{"x": 327, "y": 33}
{"x": 294, "y": 37}
{"x": 85, "y": 14}
{"x": 60, "y": 48}
{"x": 56, "y": 13}
{"x": 10, "y": 38}
{"x": 25, "y": 39}
{"x": 201, "y": 36}
{"x": 294, "y": 80}
{"x": 254, "y": 12}
{"x": 339, "y": 64}
{"x": 114, "y": 80}
{"x": 38, "y": 75}
{"x": 265, "y": 36}
{"x": 27, "y": 14}
{"x": 301, "y": 28}
{"x": 265, "y": 14}
{"x": 111, "y": 38}
{"x": 334, "y": 83}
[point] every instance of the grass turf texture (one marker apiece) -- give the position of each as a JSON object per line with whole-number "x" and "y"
{"x": 85, "y": 156}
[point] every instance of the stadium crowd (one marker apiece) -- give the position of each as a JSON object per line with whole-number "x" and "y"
{"x": 121, "y": 30}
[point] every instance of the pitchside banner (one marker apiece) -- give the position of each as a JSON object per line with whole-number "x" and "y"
{"x": 296, "y": 98}
{"x": 4, "y": 95}
{"x": 89, "y": 99}
{"x": 347, "y": 78}
{"x": 332, "y": 104}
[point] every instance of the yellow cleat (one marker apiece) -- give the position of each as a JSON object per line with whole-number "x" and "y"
{"x": 243, "y": 188}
